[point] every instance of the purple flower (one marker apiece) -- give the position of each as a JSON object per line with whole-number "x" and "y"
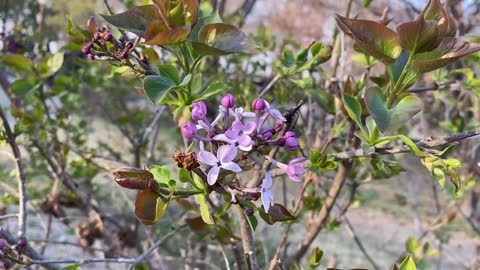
{"x": 228, "y": 101}
{"x": 259, "y": 104}
{"x": 290, "y": 141}
{"x": 224, "y": 159}
{"x": 188, "y": 130}
{"x": 238, "y": 135}
{"x": 265, "y": 193}
{"x": 274, "y": 112}
{"x": 293, "y": 169}
{"x": 199, "y": 111}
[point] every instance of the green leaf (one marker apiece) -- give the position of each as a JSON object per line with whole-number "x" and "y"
{"x": 184, "y": 176}
{"x": 149, "y": 207}
{"x": 75, "y": 33}
{"x": 170, "y": 72}
{"x": 419, "y": 36}
{"x": 160, "y": 173}
{"x": 157, "y": 87}
{"x": 408, "y": 264}
{"x": 389, "y": 120}
{"x": 134, "y": 20}
{"x": 315, "y": 257}
{"x": 252, "y": 221}
{"x": 323, "y": 99}
{"x": 212, "y": 89}
{"x": 50, "y": 65}
{"x": 17, "y": 62}
{"x": 214, "y": 18}
{"x": 204, "y": 211}
{"x": 72, "y": 267}
{"x": 23, "y": 86}
{"x": 366, "y": 3}
{"x": 287, "y": 57}
{"x": 448, "y": 51}
{"x": 222, "y": 39}
{"x": 373, "y": 37}
{"x": 353, "y": 108}
{"x": 276, "y": 213}
{"x": 396, "y": 69}
{"x": 411, "y": 245}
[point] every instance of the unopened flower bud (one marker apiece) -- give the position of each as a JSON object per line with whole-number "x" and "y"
{"x": 259, "y": 104}
{"x": 249, "y": 212}
{"x": 129, "y": 45}
{"x": 86, "y": 49}
{"x": 199, "y": 111}
{"x": 280, "y": 141}
{"x": 188, "y": 130}
{"x": 91, "y": 56}
{"x": 121, "y": 39}
{"x": 91, "y": 24}
{"x": 228, "y": 101}
{"x": 267, "y": 135}
{"x": 290, "y": 141}
{"x": 254, "y": 196}
{"x": 96, "y": 37}
{"x": 6, "y": 265}
{"x": 108, "y": 36}
{"x": 3, "y": 245}
{"x": 22, "y": 243}
{"x": 278, "y": 128}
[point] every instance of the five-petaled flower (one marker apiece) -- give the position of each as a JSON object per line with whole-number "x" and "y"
{"x": 224, "y": 159}
{"x": 293, "y": 169}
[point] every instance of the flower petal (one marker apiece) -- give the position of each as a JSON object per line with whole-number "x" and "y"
{"x": 226, "y": 153}
{"x": 223, "y": 138}
{"x": 245, "y": 148}
{"x": 276, "y": 163}
{"x": 248, "y": 114}
{"x": 249, "y": 127}
{"x": 245, "y": 140}
{"x": 299, "y": 170}
{"x": 231, "y": 166}
{"x": 208, "y": 158}
{"x": 297, "y": 160}
{"x": 294, "y": 178}
{"x": 237, "y": 126}
{"x": 265, "y": 201}
{"x": 277, "y": 114}
{"x": 213, "y": 175}
{"x": 267, "y": 181}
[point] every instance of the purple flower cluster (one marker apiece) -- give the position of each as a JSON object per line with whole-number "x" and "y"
{"x": 104, "y": 46}
{"x": 236, "y": 132}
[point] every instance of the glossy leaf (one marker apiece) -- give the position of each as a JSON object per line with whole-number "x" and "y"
{"x": 17, "y": 62}
{"x": 204, "y": 211}
{"x": 160, "y": 173}
{"x": 389, "y": 120}
{"x": 212, "y": 90}
{"x": 135, "y": 19}
{"x": 276, "y": 213}
{"x": 214, "y": 18}
{"x": 21, "y": 87}
{"x": 448, "y": 51}
{"x": 408, "y": 264}
{"x": 157, "y": 33}
{"x": 373, "y": 37}
{"x": 157, "y": 87}
{"x": 222, "y": 39}
{"x": 353, "y": 108}
{"x": 315, "y": 257}
{"x": 419, "y": 36}
{"x": 50, "y": 65}
{"x": 252, "y": 221}
{"x": 149, "y": 207}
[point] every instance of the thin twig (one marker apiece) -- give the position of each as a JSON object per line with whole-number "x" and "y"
{"x": 359, "y": 244}
{"x": 247, "y": 241}
{"x": 22, "y": 200}
{"x": 270, "y": 85}
{"x": 122, "y": 260}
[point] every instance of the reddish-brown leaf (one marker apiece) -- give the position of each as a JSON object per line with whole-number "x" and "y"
{"x": 374, "y": 38}
{"x": 448, "y": 51}
{"x": 419, "y": 36}
{"x": 157, "y": 33}
{"x": 146, "y": 206}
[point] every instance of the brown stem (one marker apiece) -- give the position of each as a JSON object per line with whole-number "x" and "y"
{"x": 247, "y": 241}
{"x": 22, "y": 200}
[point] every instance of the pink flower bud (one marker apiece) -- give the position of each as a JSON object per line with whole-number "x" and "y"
{"x": 249, "y": 212}
{"x": 22, "y": 243}
{"x": 199, "y": 111}
{"x": 86, "y": 49}
{"x": 91, "y": 56}
{"x": 108, "y": 36}
{"x": 259, "y": 104}
{"x": 188, "y": 130}
{"x": 291, "y": 143}
{"x": 228, "y": 101}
